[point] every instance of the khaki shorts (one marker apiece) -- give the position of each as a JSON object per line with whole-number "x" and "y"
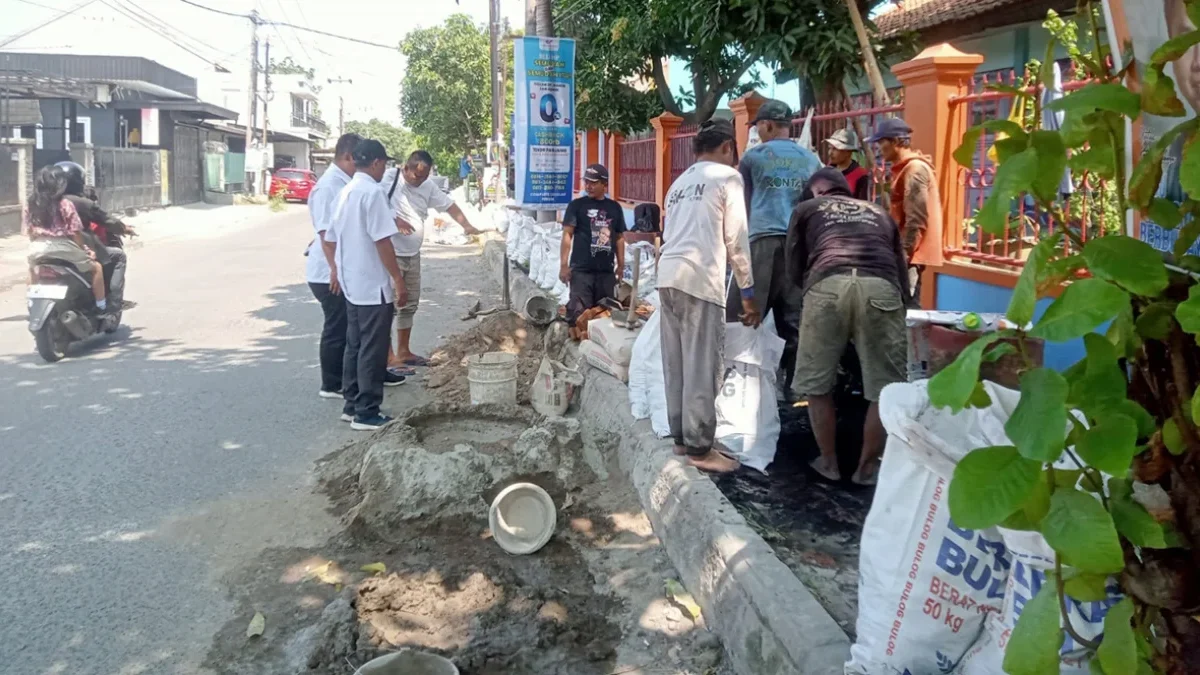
{"x": 844, "y": 307}
{"x": 410, "y": 271}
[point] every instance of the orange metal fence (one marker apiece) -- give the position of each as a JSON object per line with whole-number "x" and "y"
{"x": 637, "y": 162}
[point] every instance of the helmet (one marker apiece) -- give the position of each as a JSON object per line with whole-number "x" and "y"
{"x": 75, "y": 177}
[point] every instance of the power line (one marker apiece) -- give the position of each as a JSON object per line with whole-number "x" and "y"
{"x": 38, "y": 4}
{"x": 167, "y": 28}
{"x": 268, "y": 22}
{"x": 47, "y": 22}
{"x": 146, "y": 24}
{"x": 215, "y": 10}
{"x": 308, "y": 56}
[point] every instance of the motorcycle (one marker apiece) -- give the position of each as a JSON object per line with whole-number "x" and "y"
{"x": 62, "y": 308}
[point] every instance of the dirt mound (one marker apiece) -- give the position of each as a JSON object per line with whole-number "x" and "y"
{"x": 505, "y": 332}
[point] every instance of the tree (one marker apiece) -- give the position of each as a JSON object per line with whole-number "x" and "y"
{"x": 398, "y": 140}
{"x": 288, "y": 66}
{"x": 444, "y": 97}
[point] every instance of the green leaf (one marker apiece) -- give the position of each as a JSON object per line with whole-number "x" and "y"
{"x": 964, "y": 154}
{"x": 1038, "y": 426}
{"x": 1081, "y": 308}
{"x": 1024, "y": 297}
{"x": 1158, "y": 94}
{"x": 1147, "y": 174}
{"x": 953, "y": 386}
{"x": 1173, "y": 438}
{"x": 1014, "y": 176}
{"x": 1189, "y": 167}
{"x": 1187, "y": 237}
{"x": 989, "y": 484}
{"x": 1188, "y": 311}
{"x": 1100, "y": 96}
{"x": 980, "y": 398}
{"x": 1083, "y": 533}
{"x": 1145, "y": 421}
{"x": 1130, "y": 263}
{"x": 1094, "y": 160}
{"x": 1165, "y": 213}
{"x": 1100, "y": 383}
{"x": 1174, "y": 48}
{"x": 1136, "y": 524}
{"x": 1196, "y": 405}
{"x": 1066, "y": 478}
{"x": 1190, "y": 263}
{"x": 1028, "y": 516}
{"x": 1118, "y": 651}
{"x": 1193, "y": 11}
{"x": 1087, "y": 587}
{"x": 1052, "y": 161}
{"x": 1123, "y": 335}
{"x": 1076, "y": 127}
{"x": 1110, "y": 445}
{"x": 1156, "y": 320}
{"x": 1037, "y": 637}
{"x": 999, "y": 351}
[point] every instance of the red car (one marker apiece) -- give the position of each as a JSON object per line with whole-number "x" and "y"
{"x": 293, "y": 183}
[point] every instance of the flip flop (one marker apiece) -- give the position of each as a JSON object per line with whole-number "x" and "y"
{"x": 402, "y": 371}
{"x": 417, "y": 361}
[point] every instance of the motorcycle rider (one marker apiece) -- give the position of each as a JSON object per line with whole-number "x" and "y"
{"x": 55, "y": 230}
{"x": 103, "y": 232}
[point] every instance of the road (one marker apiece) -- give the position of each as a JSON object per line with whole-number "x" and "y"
{"x": 140, "y": 471}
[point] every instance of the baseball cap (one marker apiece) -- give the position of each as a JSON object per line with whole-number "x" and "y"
{"x": 773, "y": 111}
{"x": 596, "y": 173}
{"x": 718, "y": 125}
{"x": 843, "y": 139}
{"x": 369, "y": 150}
{"x": 893, "y": 127}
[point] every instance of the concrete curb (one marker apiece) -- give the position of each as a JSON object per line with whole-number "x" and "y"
{"x": 769, "y": 622}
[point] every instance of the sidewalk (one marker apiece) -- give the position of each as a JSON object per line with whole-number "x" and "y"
{"x": 194, "y": 221}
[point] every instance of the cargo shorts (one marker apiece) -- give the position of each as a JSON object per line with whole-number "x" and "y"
{"x": 844, "y": 307}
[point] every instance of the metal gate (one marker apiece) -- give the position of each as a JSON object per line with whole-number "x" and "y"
{"x": 10, "y": 177}
{"x": 187, "y": 175}
{"x": 128, "y": 178}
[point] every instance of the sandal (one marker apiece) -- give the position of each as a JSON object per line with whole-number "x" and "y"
{"x": 417, "y": 361}
{"x": 402, "y": 371}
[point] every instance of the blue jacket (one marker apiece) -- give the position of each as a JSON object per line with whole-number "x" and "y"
{"x": 775, "y": 173}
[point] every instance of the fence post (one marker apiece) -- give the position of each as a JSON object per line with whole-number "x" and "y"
{"x": 930, "y": 79}
{"x": 84, "y": 154}
{"x": 744, "y": 108}
{"x": 615, "y": 139}
{"x": 665, "y": 126}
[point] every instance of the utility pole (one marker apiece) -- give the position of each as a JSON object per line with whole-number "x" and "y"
{"x": 341, "y": 103}
{"x": 266, "y": 107}
{"x": 252, "y": 98}
{"x": 539, "y": 21}
{"x": 864, "y": 43}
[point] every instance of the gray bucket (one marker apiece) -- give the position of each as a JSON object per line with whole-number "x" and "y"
{"x": 408, "y": 662}
{"x": 540, "y": 310}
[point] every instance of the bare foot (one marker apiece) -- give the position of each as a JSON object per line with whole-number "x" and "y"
{"x": 714, "y": 462}
{"x": 867, "y": 475}
{"x": 826, "y": 468}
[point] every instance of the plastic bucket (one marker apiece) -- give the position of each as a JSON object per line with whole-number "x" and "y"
{"x": 408, "y": 662}
{"x": 493, "y": 378}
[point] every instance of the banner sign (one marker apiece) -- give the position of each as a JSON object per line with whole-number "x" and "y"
{"x": 544, "y": 128}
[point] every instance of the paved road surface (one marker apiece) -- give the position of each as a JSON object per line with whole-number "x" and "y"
{"x": 135, "y": 474}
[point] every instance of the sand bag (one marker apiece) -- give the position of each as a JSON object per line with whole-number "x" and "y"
{"x": 615, "y": 340}
{"x": 597, "y": 357}
{"x": 552, "y": 388}
{"x": 747, "y": 412}
{"x": 647, "y": 385}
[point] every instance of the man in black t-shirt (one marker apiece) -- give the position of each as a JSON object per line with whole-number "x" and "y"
{"x": 592, "y": 257}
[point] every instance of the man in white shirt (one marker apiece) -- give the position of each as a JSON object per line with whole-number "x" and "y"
{"x": 412, "y": 194}
{"x": 361, "y": 234}
{"x": 319, "y": 270}
{"x": 704, "y": 228}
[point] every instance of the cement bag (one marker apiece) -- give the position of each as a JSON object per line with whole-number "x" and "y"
{"x": 595, "y": 355}
{"x": 537, "y": 257}
{"x": 525, "y": 248}
{"x": 617, "y": 341}
{"x": 447, "y": 232}
{"x": 517, "y": 232}
{"x": 552, "y": 388}
{"x": 561, "y": 291}
{"x": 647, "y": 383}
{"x": 550, "y": 267}
{"x": 747, "y": 412}
{"x": 927, "y": 588}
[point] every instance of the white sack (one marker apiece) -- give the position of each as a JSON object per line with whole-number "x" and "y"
{"x": 647, "y": 384}
{"x": 747, "y": 411}
{"x": 617, "y": 341}
{"x": 595, "y": 355}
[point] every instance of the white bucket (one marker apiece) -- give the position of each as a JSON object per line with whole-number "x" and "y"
{"x": 408, "y": 662}
{"x": 493, "y": 378}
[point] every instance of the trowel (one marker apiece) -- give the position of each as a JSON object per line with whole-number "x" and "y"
{"x": 622, "y": 317}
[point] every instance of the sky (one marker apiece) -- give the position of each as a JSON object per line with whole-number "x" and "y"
{"x": 190, "y": 39}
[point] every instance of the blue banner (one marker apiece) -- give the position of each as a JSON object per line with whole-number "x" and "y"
{"x": 544, "y": 128}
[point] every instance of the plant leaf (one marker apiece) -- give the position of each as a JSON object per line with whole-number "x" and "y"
{"x": 1118, "y": 652}
{"x": 1187, "y": 313}
{"x": 1081, "y": 308}
{"x": 1165, "y": 213}
{"x": 1158, "y": 93}
{"x": 1156, "y": 320}
{"x": 1174, "y": 48}
{"x": 989, "y": 484}
{"x": 1189, "y": 166}
{"x": 1052, "y": 161}
{"x": 374, "y": 568}
{"x": 1131, "y": 263}
{"x": 1172, "y": 438}
{"x": 1136, "y": 524}
{"x": 1100, "y": 96}
{"x": 258, "y": 625}
{"x": 1024, "y": 297}
{"x": 1038, "y": 425}
{"x": 1147, "y": 174}
{"x": 998, "y": 352}
{"x": 676, "y": 592}
{"x": 1037, "y": 637}
{"x": 1014, "y": 176}
{"x": 964, "y": 154}
{"x": 980, "y": 398}
{"x": 954, "y": 385}
{"x": 1087, "y": 587}
{"x": 1110, "y": 445}
{"x": 1083, "y": 533}
{"x": 1145, "y": 421}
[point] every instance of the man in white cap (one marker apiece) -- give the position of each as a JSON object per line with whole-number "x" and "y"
{"x": 842, "y": 146}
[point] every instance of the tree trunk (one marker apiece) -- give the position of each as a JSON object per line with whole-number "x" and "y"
{"x": 879, "y": 179}
{"x": 869, "y": 62}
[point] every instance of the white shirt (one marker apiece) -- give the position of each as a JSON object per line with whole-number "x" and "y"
{"x": 412, "y": 204}
{"x": 321, "y": 203}
{"x": 705, "y": 226}
{"x": 361, "y": 218}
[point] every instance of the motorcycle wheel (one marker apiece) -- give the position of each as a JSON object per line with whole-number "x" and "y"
{"x": 115, "y": 324}
{"x": 51, "y": 340}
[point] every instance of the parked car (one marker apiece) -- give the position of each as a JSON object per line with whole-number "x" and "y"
{"x": 293, "y": 183}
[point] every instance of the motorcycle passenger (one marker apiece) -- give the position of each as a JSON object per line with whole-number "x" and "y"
{"x": 55, "y": 230}
{"x": 103, "y": 231}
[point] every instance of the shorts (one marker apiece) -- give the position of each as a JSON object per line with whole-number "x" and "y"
{"x": 847, "y": 306}
{"x": 410, "y": 271}
{"x": 63, "y": 250}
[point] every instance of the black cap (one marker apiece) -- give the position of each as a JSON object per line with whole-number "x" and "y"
{"x": 892, "y": 127}
{"x": 596, "y": 173}
{"x": 773, "y": 111}
{"x": 369, "y": 150}
{"x": 718, "y": 125}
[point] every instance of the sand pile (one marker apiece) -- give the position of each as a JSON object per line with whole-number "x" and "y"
{"x": 505, "y": 332}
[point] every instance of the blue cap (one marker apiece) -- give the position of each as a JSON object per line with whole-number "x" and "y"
{"x": 893, "y": 127}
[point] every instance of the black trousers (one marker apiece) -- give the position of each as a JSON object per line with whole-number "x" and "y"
{"x": 368, "y": 338}
{"x": 333, "y": 336}
{"x": 588, "y": 288}
{"x": 773, "y": 292}
{"x": 114, "y": 273}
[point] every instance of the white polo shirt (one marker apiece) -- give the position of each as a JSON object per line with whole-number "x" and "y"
{"x": 413, "y": 204}
{"x": 321, "y": 203}
{"x": 360, "y": 219}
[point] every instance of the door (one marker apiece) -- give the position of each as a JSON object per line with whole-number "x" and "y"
{"x": 187, "y": 176}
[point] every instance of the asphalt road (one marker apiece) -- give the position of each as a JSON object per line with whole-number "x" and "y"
{"x": 139, "y": 472}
